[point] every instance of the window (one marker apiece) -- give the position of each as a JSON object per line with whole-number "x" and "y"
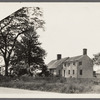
{"x": 73, "y": 63}
{"x": 68, "y": 71}
{"x": 80, "y": 63}
{"x": 64, "y": 72}
{"x": 73, "y": 72}
{"x": 80, "y": 72}
{"x": 59, "y": 72}
{"x": 50, "y": 70}
{"x": 68, "y": 64}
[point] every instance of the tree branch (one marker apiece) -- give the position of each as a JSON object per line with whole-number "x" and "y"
{"x": 13, "y": 45}
{"x": 4, "y": 27}
{"x": 2, "y": 51}
{"x": 7, "y": 23}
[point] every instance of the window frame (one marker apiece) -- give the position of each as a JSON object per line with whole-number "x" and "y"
{"x": 68, "y": 64}
{"x": 80, "y": 63}
{"x": 73, "y": 63}
{"x": 69, "y": 72}
{"x": 81, "y": 72}
{"x": 73, "y": 72}
{"x": 64, "y": 72}
{"x": 59, "y": 72}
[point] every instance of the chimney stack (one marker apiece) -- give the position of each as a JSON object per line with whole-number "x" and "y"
{"x": 58, "y": 56}
{"x": 84, "y": 51}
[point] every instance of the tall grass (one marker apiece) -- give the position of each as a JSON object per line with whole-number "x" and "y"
{"x": 54, "y": 84}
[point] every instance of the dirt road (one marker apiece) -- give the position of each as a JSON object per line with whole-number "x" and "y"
{"x": 21, "y": 93}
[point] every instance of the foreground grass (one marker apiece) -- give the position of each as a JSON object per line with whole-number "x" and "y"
{"x": 53, "y": 84}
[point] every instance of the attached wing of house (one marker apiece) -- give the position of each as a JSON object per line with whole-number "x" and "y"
{"x": 55, "y": 63}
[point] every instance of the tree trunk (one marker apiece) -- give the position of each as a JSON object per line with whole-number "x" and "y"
{"x": 29, "y": 53}
{"x": 6, "y": 68}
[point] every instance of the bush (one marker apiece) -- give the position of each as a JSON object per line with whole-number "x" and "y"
{"x": 54, "y": 84}
{"x": 5, "y": 79}
{"x": 26, "y": 78}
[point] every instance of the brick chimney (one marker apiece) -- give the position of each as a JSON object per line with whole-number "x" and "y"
{"x": 58, "y": 56}
{"x": 84, "y": 51}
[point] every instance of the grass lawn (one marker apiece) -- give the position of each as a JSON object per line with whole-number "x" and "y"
{"x": 53, "y": 84}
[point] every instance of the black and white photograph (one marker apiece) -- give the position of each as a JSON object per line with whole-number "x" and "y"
{"x": 49, "y": 50}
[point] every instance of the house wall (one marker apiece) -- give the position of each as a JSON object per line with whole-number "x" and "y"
{"x": 59, "y": 70}
{"x": 53, "y": 71}
{"x": 56, "y": 71}
{"x": 70, "y": 68}
{"x": 97, "y": 75}
{"x": 86, "y": 67}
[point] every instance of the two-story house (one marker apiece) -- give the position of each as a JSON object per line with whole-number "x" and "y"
{"x": 73, "y": 67}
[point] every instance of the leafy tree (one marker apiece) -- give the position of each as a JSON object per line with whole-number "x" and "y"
{"x": 28, "y": 49}
{"x": 96, "y": 59}
{"x": 15, "y": 25}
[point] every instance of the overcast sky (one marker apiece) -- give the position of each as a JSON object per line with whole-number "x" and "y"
{"x": 69, "y": 27}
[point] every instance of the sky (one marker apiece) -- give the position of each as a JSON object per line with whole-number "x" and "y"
{"x": 69, "y": 27}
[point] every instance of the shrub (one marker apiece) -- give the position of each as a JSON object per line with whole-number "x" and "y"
{"x": 5, "y": 79}
{"x": 54, "y": 84}
{"x": 26, "y": 78}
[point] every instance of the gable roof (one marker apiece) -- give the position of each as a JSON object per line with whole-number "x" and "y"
{"x": 55, "y": 63}
{"x": 76, "y": 58}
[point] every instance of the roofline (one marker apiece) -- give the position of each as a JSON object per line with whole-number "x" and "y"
{"x": 52, "y": 68}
